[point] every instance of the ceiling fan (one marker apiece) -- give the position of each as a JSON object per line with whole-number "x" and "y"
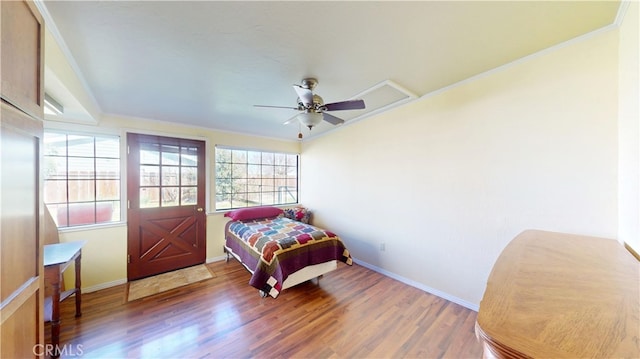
{"x": 312, "y": 107}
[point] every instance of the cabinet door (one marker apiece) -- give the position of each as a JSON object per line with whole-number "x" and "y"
{"x": 21, "y": 209}
{"x": 21, "y": 266}
{"x": 22, "y": 56}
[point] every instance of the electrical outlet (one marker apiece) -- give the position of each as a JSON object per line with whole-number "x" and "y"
{"x": 382, "y": 246}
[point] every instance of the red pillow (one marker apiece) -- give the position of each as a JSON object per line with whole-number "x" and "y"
{"x": 244, "y": 214}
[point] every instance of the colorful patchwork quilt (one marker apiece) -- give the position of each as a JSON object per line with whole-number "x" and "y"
{"x": 274, "y": 248}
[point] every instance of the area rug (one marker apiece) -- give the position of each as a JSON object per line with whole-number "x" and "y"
{"x": 163, "y": 282}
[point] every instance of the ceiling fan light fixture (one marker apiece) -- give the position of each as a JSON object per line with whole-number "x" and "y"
{"x": 310, "y": 119}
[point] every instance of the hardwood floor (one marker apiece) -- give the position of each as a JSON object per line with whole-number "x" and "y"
{"x": 353, "y": 313}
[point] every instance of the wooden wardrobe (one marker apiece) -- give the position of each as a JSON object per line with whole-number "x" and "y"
{"x": 21, "y": 203}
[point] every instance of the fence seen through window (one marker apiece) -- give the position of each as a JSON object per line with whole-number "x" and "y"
{"x": 81, "y": 178}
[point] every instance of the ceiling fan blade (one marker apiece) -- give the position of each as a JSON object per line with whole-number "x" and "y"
{"x": 305, "y": 95}
{"x": 289, "y": 107}
{"x": 292, "y": 119}
{"x": 332, "y": 119}
{"x": 345, "y": 105}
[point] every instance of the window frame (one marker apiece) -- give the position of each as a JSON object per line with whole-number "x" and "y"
{"x": 117, "y": 200}
{"x": 247, "y": 164}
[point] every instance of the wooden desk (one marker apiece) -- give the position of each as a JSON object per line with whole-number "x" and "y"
{"x": 57, "y": 257}
{"x": 554, "y": 295}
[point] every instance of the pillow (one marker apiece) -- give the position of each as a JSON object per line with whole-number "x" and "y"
{"x": 299, "y": 214}
{"x": 244, "y": 214}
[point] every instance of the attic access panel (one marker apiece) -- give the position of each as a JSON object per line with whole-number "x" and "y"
{"x": 379, "y": 98}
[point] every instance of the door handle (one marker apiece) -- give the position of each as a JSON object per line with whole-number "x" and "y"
{"x": 200, "y": 210}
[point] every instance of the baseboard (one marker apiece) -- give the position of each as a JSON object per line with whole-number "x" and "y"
{"x": 216, "y": 259}
{"x": 404, "y": 280}
{"x": 632, "y": 251}
{"x": 106, "y": 285}
{"x": 420, "y": 286}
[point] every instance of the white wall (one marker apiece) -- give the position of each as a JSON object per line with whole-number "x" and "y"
{"x": 629, "y": 129}
{"x": 447, "y": 181}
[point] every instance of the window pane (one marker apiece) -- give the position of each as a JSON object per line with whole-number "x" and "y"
{"x": 238, "y": 156}
{"x": 189, "y": 156}
{"x": 280, "y": 171}
{"x": 55, "y": 191}
{"x": 253, "y": 199}
{"x": 238, "y": 201}
{"x": 280, "y": 183}
{"x": 268, "y": 184}
{"x": 170, "y": 155}
{"x": 281, "y": 159}
{"x": 81, "y": 168}
{"x": 223, "y": 186}
{"x": 223, "y": 200}
{"x": 239, "y": 186}
{"x": 254, "y": 187}
{"x": 189, "y": 176}
{"x": 149, "y": 175}
{"x": 80, "y": 146}
{"x": 188, "y": 195}
{"x": 55, "y": 167}
{"x": 254, "y": 157}
{"x": 287, "y": 196}
{"x": 239, "y": 171}
{"x": 104, "y": 212}
{"x": 55, "y": 144}
{"x": 170, "y": 196}
{"x": 81, "y": 213}
{"x": 268, "y": 198}
{"x": 149, "y": 154}
{"x": 107, "y": 168}
{"x": 254, "y": 171}
{"x": 150, "y": 197}
{"x": 81, "y": 190}
{"x": 170, "y": 176}
{"x": 267, "y": 171}
{"x": 223, "y": 170}
{"x": 292, "y": 160}
{"x": 107, "y": 147}
{"x": 268, "y": 158}
{"x": 107, "y": 190}
{"x": 115, "y": 214}
{"x": 223, "y": 155}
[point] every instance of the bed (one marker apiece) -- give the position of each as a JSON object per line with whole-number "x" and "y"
{"x": 280, "y": 251}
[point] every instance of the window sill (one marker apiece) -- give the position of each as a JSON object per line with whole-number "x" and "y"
{"x": 91, "y": 227}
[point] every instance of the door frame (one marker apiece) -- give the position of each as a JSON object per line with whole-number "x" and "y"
{"x": 199, "y": 208}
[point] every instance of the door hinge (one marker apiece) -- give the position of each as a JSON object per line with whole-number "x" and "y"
{"x": 127, "y": 149}
{"x": 128, "y": 258}
{"x": 128, "y": 204}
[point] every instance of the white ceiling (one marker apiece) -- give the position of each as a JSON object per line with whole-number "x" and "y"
{"x": 206, "y": 63}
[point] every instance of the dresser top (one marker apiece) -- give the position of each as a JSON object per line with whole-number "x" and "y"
{"x": 561, "y": 295}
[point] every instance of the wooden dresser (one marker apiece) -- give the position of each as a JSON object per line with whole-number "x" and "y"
{"x": 554, "y": 295}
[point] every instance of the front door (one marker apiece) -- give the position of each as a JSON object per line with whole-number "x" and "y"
{"x": 166, "y": 217}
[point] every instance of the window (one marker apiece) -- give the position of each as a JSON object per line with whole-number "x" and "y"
{"x": 168, "y": 175}
{"x": 246, "y": 178}
{"x": 82, "y": 178}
